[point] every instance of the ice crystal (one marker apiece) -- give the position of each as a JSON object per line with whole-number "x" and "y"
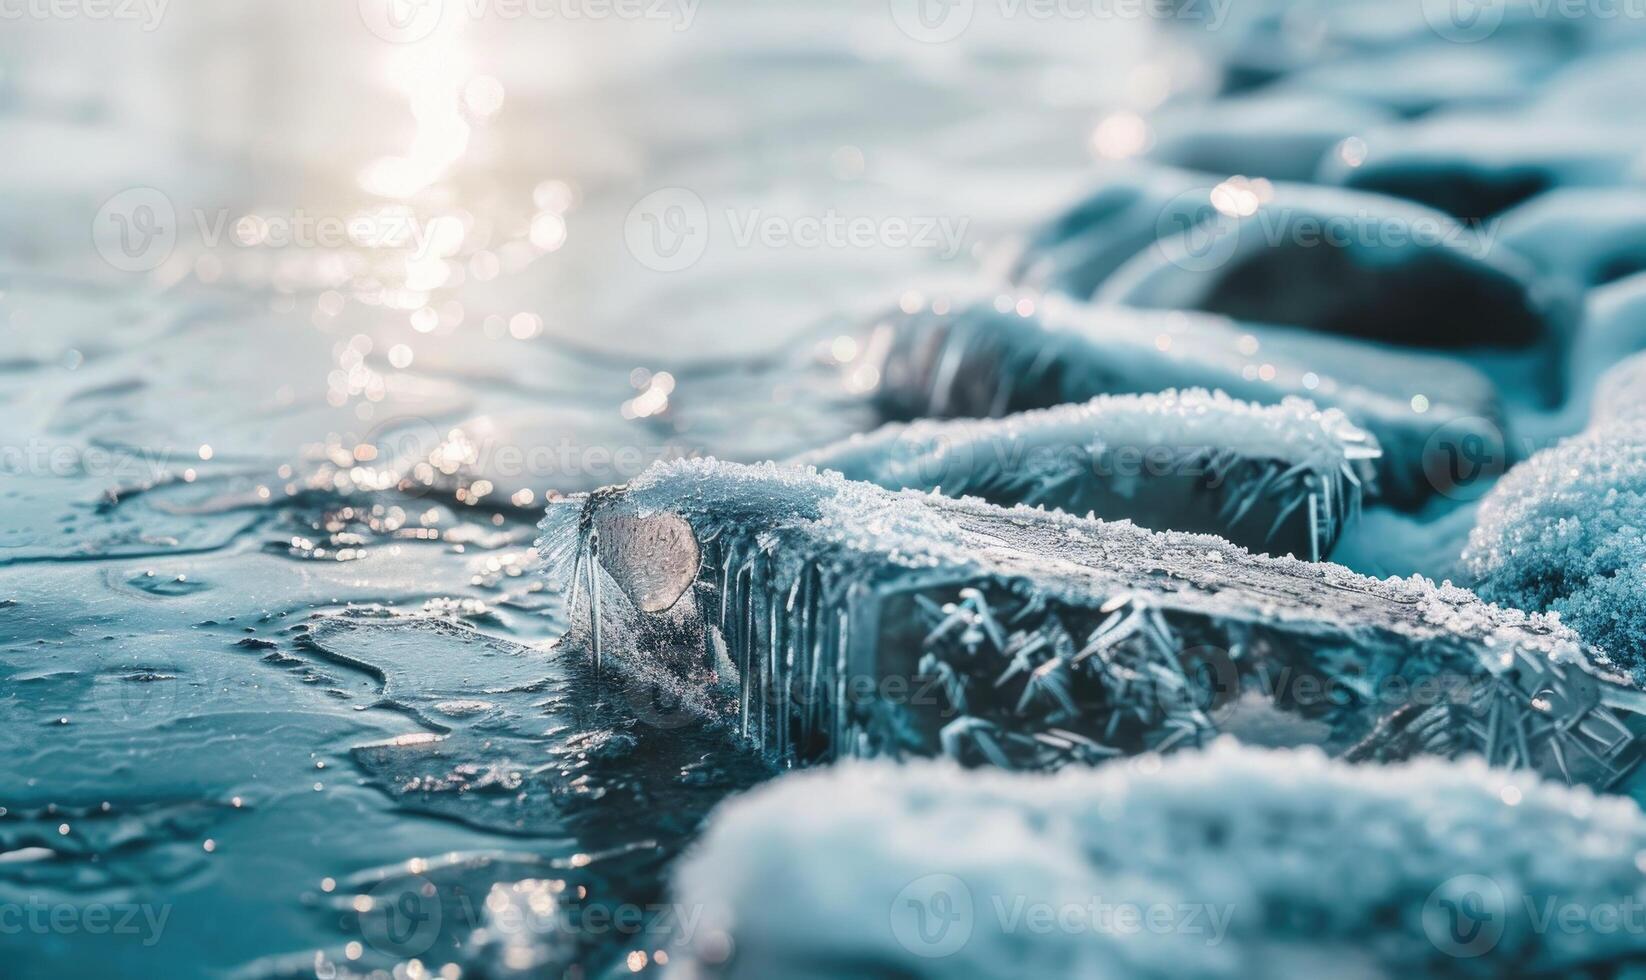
{"x": 1566, "y": 530}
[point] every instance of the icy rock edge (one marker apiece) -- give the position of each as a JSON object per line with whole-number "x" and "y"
{"x": 1284, "y": 479}
{"x": 823, "y": 618}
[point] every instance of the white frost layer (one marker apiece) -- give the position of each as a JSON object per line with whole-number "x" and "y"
{"x": 1239, "y": 862}
{"x": 1294, "y": 431}
{"x": 1566, "y": 531}
{"x": 861, "y": 534}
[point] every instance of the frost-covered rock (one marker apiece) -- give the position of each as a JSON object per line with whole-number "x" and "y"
{"x": 1476, "y": 165}
{"x": 1594, "y": 88}
{"x": 1565, "y": 531}
{"x": 1290, "y": 46}
{"x": 1132, "y": 207}
{"x": 1227, "y": 863}
{"x": 1421, "y": 78}
{"x": 825, "y": 618}
{"x": 1275, "y": 135}
{"x": 972, "y": 361}
{"x": 1284, "y": 479}
{"x": 1589, "y": 236}
{"x": 1345, "y": 262}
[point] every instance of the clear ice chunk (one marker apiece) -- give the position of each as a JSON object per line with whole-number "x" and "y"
{"x": 975, "y": 361}
{"x": 1281, "y": 479}
{"x": 1230, "y": 863}
{"x": 1350, "y": 263}
{"x": 827, "y": 618}
{"x": 1474, "y": 165}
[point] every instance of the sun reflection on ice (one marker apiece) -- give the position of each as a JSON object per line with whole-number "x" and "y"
{"x": 432, "y": 75}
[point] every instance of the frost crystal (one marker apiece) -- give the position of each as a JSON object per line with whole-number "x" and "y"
{"x": 1228, "y": 863}
{"x": 829, "y": 618}
{"x": 1285, "y": 479}
{"x": 978, "y": 362}
{"x": 1566, "y": 530}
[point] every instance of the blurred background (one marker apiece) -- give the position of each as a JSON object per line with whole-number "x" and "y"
{"x": 245, "y": 243}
